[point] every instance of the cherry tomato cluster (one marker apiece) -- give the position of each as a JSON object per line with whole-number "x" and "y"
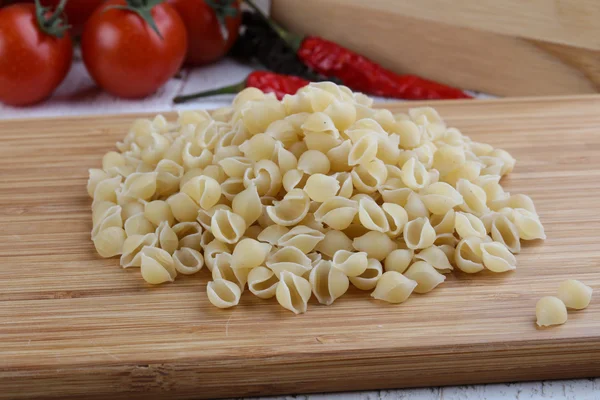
{"x": 130, "y": 47}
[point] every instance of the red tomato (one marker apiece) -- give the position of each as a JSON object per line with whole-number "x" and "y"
{"x": 32, "y": 63}
{"x": 205, "y": 40}
{"x": 125, "y": 56}
{"x": 77, "y": 11}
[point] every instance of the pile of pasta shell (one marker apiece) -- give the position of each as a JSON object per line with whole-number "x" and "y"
{"x": 307, "y": 195}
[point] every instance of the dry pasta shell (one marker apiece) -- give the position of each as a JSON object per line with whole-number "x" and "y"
{"x": 327, "y": 282}
{"x": 293, "y": 292}
{"x": 393, "y": 287}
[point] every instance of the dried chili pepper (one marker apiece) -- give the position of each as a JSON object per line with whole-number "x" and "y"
{"x": 257, "y": 42}
{"x": 268, "y": 82}
{"x": 358, "y": 72}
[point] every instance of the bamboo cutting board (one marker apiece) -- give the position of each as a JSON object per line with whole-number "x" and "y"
{"x": 75, "y": 325}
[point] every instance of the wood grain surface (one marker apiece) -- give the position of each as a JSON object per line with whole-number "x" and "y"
{"x": 74, "y": 325}
{"x": 482, "y": 45}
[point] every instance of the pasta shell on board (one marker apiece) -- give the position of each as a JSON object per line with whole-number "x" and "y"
{"x": 337, "y": 212}
{"x": 259, "y": 147}
{"x": 158, "y": 211}
{"x": 249, "y": 253}
{"x": 258, "y": 115}
{"x": 285, "y": 159}
{"x": 363, "y": 151}
{"x": 99, "y": 208}
{"x": 368, "y": 279}
{"x": 377, "y": 245}
{"x": 266, "y": 176}
{"x": 327, "y": 282}
{"x": 550, "y": 310}
{"x": 133, "y": 245}
{"x": 293, "y": 292}
{"x": 444, "y": 223}
{"x": 314, "y": 162}
{"x": 393, "y": 287}
{"x": 272, "y": 234}
{"x": 338, "y": 157}
{"x": 138, "y": 225}
{"x": 189, "y": 234}
{"x": 301, "y": 237}
{"x": 399, "y": 260}
{"x": 262, "y": 282}
{"x": 469, "y": 171}
{"x": 96, "y": 176}
{"x": 167, "y": 238}
{"x": 467, "y": 225}
{"x": 448, "y": 158}
{"x": 182, "y": 206}
{"x": 497, "y": 258}
{"x": 215, "y": 172}
{"x": 474, "y": 198}
{"x": 415, "y": 208}
{"x": 414, "y": 174}
{"x": 396, "y": 216}
{"x": 236, "y": 166}
{"x": 227, "y": 226}
{"x": 468, "y": 256}
{"x": 321, "y": 187}
{"x": 508, "y": 161}
{"x": 222, "y": 270}
{"x": 528, "y": 224}
{"x": 233, "y": 187}
{"x": 292, "y": 209}
{"x": 367, "y": 178}
{"x": 388, "y": 149}
{"x": 342, "y": 113}
{"x": 574, "y": 294}
{"x": 139, "y": 185}
{"x": 106, "y": 189}
{"x": 435, "y": 257}
{"x": 283, "y": 131}
{"x": 212, "y": 250}
{"x": 440, "y": 198}
{"x": 372, "y": 216}
{"x": 426, "y": 276}
{"x": 247, "y": 204}
{"x": 290, "y": 259}
{"x": 110, "y": 218}
{"x": 447, "y": 239}
{"x": 157, "y": 265}
{"x": 109, "y": 242}
{"x": 334, "y": 241}
{"x": 205, "y": 191}
{"x": 350, "y": 263}
{"x": 223, "y": 294}
{"x": 419, "y": 234}
{"x": 169, "y": 174}
{"x": 204, "y": 216}
{"x": 188, "y": 261}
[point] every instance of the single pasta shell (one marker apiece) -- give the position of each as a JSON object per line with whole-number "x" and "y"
{"x": 550, "y": 310}
{"x": 223, "y": 294}
{"x": 575, "y": 294}
{"x": 393, "y": 287}
{"x": 109, "y": 242}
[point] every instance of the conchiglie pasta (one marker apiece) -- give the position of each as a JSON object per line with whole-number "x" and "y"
{"x": 425, "y": 275}
{"x": 223, "y": 294}
{"x": 307, "y": 195}
{"x": 327, "y": 283}
{"x": 262, "y": 282}
{"x": 393, "y": 287}
{"x": 368, "y": 279}
{"x": 293, "y": 292}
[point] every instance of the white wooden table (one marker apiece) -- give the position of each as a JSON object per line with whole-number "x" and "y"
{"x": 79, "y": 96}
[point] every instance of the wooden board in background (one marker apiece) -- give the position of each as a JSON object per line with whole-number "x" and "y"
{"x": 506, "y": 48}
{"x": 74, "y": 325}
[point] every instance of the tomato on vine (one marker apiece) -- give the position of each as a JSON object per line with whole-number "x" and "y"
{"x": 133, "y": 47}
{"x": 35, "y": 52}
{"x": 212, "y": 27}
{"x": 77, "y": 12}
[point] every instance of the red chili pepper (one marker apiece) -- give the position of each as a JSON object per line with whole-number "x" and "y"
{"x": 268, "y": 82}
{"x": 358, "y": 72}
